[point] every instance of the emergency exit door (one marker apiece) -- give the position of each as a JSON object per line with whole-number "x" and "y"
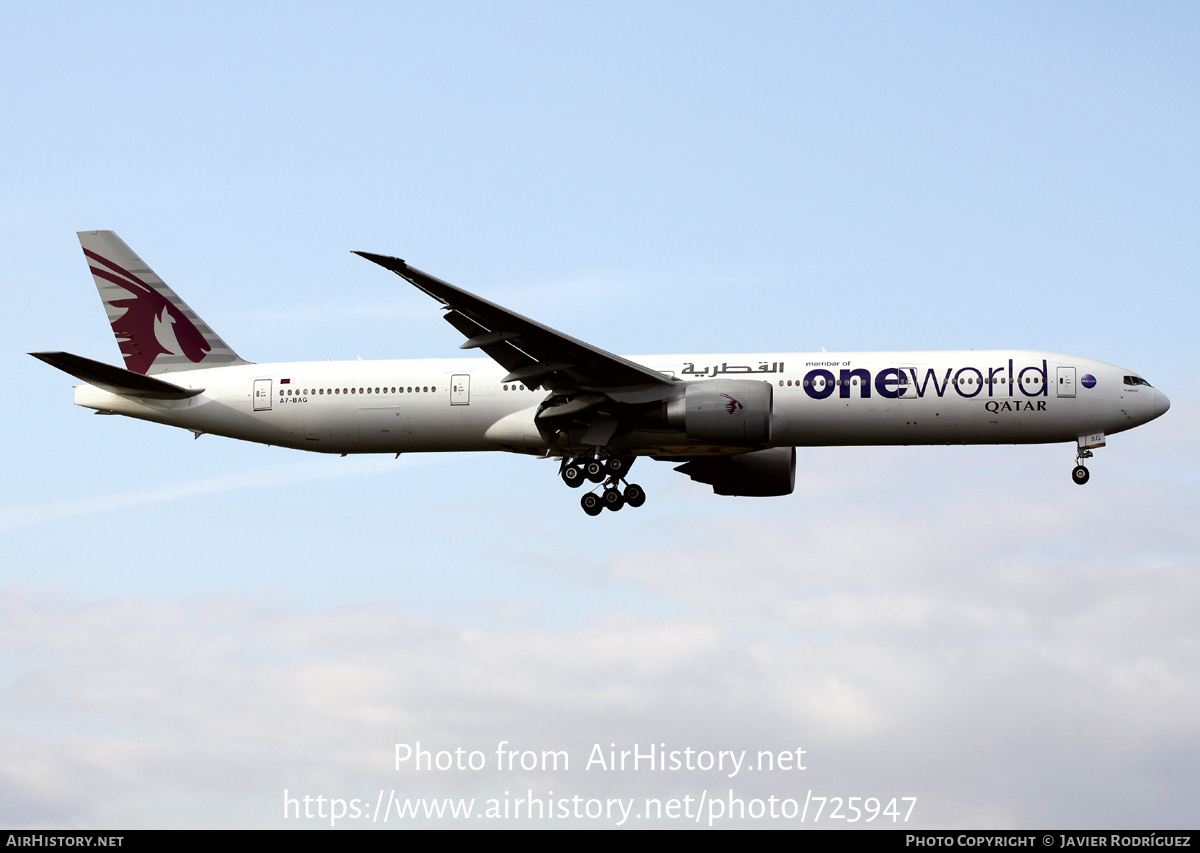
{"x": 262, "y": 395}
{"x": 460, "y": 389}
{"x": 1066, "y": 382}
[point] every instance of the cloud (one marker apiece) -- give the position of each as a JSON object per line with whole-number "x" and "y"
{"x": 1010, "y": 651}
{"x": 1003, "y": 680}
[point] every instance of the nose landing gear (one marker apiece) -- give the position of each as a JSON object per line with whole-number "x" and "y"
{"x": 1080, "y": 473}
{"x": 1084, "y": 445}
{"x": 610, "y": 471}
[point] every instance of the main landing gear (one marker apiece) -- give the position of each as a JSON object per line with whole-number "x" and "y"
{"x": 1080, "y": 473}
{"x": 610, "y": 471}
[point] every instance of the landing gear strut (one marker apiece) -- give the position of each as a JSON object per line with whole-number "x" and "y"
{"x": 611, "y": 472}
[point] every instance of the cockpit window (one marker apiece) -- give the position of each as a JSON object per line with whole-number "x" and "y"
{"x": 1137, "y": 380}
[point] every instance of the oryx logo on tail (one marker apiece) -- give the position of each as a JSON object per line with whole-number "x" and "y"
{"x": 156, "y": 331}
{"x": 151, "y": 326}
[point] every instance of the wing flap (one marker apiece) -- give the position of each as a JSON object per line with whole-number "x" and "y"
{"x": 500, "y": 351}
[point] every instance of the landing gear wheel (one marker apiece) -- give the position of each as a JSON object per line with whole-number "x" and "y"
{"x": 593, "y": 469}
{"x": 616, "y": 466}
{"x": 635, "y": 495}
{"x": 1080, "y": 475}
{"x": 612, "y": 499}
{"x": 591, "y": 503}
{"x": 572, "y": 475}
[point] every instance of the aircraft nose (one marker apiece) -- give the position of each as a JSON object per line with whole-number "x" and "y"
{"x": 1161, "y": 403}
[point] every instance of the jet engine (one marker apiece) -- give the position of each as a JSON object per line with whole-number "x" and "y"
{"x": 723, "y": 411}
{"x": 760, "y": 474}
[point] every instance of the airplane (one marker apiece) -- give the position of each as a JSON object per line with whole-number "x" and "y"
{"x": 730, "y": 421}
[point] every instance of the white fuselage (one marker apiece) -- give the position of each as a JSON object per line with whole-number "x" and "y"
{"x": 429, "y": 405}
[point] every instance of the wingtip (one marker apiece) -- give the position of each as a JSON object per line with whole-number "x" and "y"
{"x": 382, "y": 260}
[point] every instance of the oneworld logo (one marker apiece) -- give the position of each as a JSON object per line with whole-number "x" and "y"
{"x": 907, "y": 382}
{"x": 1088, "y": 381}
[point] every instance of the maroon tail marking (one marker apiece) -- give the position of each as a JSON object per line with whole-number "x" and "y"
{"x": 135, "y": 328}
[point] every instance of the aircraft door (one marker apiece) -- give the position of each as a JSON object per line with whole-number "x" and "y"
{"x": 1066, "y": 382}
{"x": 460, "y": 389}
{"x": 262, "y": 395}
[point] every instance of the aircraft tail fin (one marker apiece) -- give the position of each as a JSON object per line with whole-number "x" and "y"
{"x": 156, "y": 330}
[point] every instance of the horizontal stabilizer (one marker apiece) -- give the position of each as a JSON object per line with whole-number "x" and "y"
{"x": 115, "y": 379}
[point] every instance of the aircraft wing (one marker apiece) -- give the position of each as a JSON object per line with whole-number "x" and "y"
{"x": 533, "y": 354}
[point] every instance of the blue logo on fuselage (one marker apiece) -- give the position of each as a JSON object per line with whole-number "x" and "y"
{"x": 894, "y": 382}
{"x": 1088, "y": 381}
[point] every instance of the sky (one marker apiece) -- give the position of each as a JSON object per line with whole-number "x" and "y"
{"x": 194, "y": 633}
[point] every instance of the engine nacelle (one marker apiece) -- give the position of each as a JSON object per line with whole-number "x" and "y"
{"x": 766, "y": 473}
{"x": 723, "y": 411}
